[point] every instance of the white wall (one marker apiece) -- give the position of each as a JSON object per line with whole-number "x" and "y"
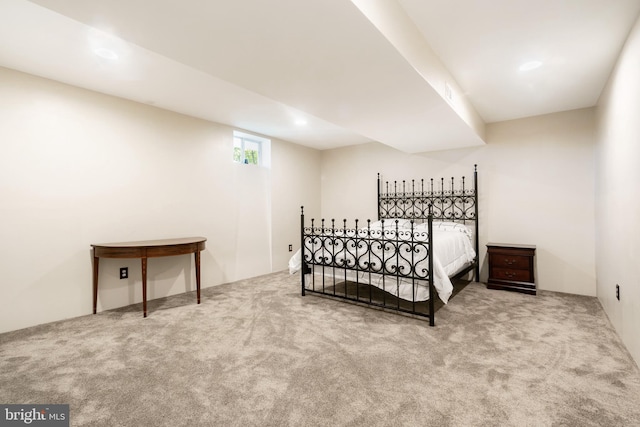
{"x": 618, "y": 195}
{"x": 536, "y": 180}
{"x": 296, "y": 182}
{"x": 77, "y": 167}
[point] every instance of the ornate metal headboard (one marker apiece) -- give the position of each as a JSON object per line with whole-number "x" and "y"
{"x": 443, "y": 202}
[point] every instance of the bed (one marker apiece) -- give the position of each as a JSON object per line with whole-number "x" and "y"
{"x": 425, "y": 238}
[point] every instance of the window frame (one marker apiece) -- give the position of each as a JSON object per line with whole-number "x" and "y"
{"x": 263, "y": 144}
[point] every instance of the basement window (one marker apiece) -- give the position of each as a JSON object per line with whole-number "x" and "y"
{"x": 251, "y": 149}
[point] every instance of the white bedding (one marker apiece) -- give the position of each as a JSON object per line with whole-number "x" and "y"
{"x": 452, "y": 252}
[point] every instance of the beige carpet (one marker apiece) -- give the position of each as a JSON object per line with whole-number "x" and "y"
{"x": 256, "y": 353}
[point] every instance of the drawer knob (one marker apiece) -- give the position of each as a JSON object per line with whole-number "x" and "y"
{"x": 509, "y": 261}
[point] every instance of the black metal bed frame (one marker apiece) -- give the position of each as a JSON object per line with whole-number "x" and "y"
{"x": 395, "y": 253}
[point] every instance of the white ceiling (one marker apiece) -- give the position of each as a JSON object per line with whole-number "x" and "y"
{"x": 483, "y": 43}
{"x": 355, "y": 71}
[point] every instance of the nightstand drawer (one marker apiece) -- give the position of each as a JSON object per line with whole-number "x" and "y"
{"x": 511, "y": 274}
{"x": 510, "y": 261}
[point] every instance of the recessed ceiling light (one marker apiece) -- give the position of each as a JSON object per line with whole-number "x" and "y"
{"x": 301, "y": 122}
{"x": 106, "y": 53}
{"x": 531, "y": 65}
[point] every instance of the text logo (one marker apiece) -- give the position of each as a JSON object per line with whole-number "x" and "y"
{"x": 34, "y": 415}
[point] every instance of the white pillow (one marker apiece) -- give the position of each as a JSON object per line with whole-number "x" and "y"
{"x": 390, "y": 223}
{"x": 447, "y": 226}
{"x": 453, "y": 226}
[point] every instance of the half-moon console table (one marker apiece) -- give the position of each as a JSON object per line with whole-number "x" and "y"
{"x": 143, "y": 250}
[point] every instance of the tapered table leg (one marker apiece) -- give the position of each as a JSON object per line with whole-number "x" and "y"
{"x": 144, "y": 285}
{"x": 197, "y": 255}
{"x": 95, "y": 283}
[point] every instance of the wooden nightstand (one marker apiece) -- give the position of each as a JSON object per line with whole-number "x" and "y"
{"x": 511, "y": 267}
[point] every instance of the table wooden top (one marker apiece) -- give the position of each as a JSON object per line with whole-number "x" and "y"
{"x": 151, "y": 243}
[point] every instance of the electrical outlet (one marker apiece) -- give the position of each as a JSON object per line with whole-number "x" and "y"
{"x": 290, "y": 248}
{"x": 124, "y": 272}
{"x": 618, "y": 292}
